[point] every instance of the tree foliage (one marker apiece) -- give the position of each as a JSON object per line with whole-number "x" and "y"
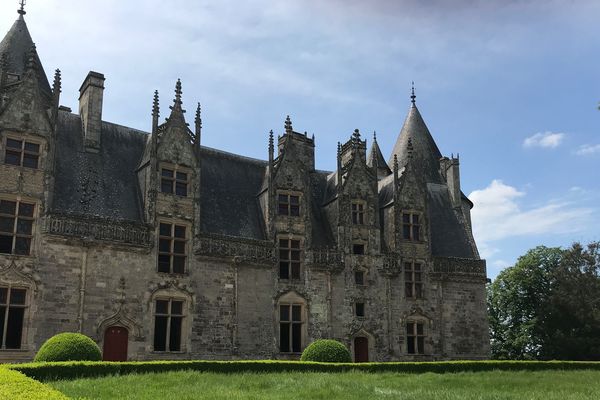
{"x": 547, "y": 306}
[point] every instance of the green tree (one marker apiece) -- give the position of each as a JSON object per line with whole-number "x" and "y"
{"x": 547, "y": 306}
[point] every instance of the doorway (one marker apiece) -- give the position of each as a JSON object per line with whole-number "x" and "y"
{"x": 361, "y": 349}
{"x": 115, "y": 344}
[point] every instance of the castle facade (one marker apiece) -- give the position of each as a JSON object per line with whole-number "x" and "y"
{"x": 160, "y": 248}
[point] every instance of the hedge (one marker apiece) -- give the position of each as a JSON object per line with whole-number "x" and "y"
{"x": 326, "y": 350}
{"x": 84, "y": 369}
{"x": 16, "y": 386}
{"x": 69, "y": 346}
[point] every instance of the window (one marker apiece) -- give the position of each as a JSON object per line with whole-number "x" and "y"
{"x": 174, "y": 182}
{"x": 168, "y": 324}
{"x": 358, "y": 213}
{"x": 411, "y": 227}
{"x": 171, "y": 248}
{"x": 16, "y": 225}
{"x": 415, "y": 338}
{"x": 12, "y": 315}
{"x": 359, "y": 278}
{"x": 359, "y": 309}
{"x": 413, "y": 280}
{"x": 288, "y": 204}
{"x": 358, "y": 248}
{"x": 290, "y": 328}
{"x": 289, "y": 259}
{"x": 22, "y": 153}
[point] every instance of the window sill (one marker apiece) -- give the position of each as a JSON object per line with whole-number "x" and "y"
{"x": 177, "y": 274}
{"x": 22, "y": 167}
{"x": 17, "y": 255}
{"x": 168, "y": 352}
{"x": 24, "y": 350}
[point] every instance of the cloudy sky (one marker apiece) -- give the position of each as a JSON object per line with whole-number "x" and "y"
{"x": 513, "y": 86}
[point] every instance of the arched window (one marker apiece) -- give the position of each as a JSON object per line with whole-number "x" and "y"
{"x": 292, "y": 322}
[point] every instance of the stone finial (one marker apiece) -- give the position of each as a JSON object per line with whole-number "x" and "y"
{"x": 198, "y": 121}
{"x": 155, "y": 105}
{"x": 56, "y": 85}
{"x": 374, "y": 136}
{"x": 356, "y": 135}
{"x": 409, "y": 148}
{"x": 271, "y": 147}
{"x": 21, "y": 10}
{"x": 412, "y": 96}
{"x": 178, "y": 93}
{"x": 288, "y": 125}
{"x": 395, "y": 164}
{"x": 32, "y": 58}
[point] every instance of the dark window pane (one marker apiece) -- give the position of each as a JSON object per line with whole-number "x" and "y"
{"x": 284, "y": 272}
{"x": 7, "y": 224}
{"x": 358, "y": 249}
{"x": 296, "y": 338}
{"x": 180, "y": 231}
{"x": 295, "y": 255}
{"x": 30, "y": 161}
{"x": 283, "y": 243}
{"x": 408, "y": 276}
{"x": 419, "y": 329}
{"x": 166, "y": 186}
{"x": 408, "y": 290}
{"x": 160, "y": 333}
{"x": 359, "y": 278}
{"x": 167, "y": 173}
{"x": 14, "y": 144}
{"x": 415, "y": 219}
{"x": 410, "y": 345}
{"x": 179, "y": 247}
{"x": 14, "y": 327}
{"x": 3, "y": 295}
{"x": 164, "y": 245}
{"x": 406, "y": 218}
{"x": 295, "y": 244}
{"x": 182, "y": 176}
{"x": 294, "y": 200}
{"x": 408, "y": 266}
{"x": 6, "y": 244}
{"x": 175, "y": 334}
{"x": 283, "y": 209}
{"x": 295, "y": 270}
{"x": 294, "y": 211}
{"x": 181, "y": 189}
{"x": 410, "y": 328}
{"x": 421, "y": 345}
{"x": 165, "y": 229}
{"x": 12, "y": 158}
{"x": 360, "y": 309}
{"x": 8, "y": 207}
{"x": 178, "y": 264}
{"x": 283, "y": 254}
{"x": 283, "y": 198}
{"x": 284, "y": 337}
{"x": 177, "y": 307}
{"x": 162, "y": 306}
{"x": 354, "y": 218}
{"x": 164, "y": 263}
{"x": 26, "y": 209}
{"x": 17, "y": 296}
{"x": 418, "y": 291}
{"x": 22, "y": 245}
{"x": 32, "y": 147}
{"x": 24, "y": 226}
{"x": 2, "y": 317}
{"x": 406, "y": 231}
{"x": 417, "y": 267}
{"x": 296, "y": 313}
{"x": 284, "y": 313}
{"x": 417, "y": 276}
{"x": 416, "y": 233}
{"x": 361, "y": 218}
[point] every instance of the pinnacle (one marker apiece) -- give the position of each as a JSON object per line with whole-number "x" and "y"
{"x": 288, "y": 125}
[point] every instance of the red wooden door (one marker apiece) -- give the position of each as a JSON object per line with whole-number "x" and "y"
{"x": 115, "y": 344}
{"x": 361, "y": 349}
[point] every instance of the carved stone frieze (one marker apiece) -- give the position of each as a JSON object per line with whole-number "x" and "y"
{"x": 241, "y": 250}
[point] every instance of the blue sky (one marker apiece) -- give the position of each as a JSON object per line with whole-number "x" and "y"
{"x": 513, "y": 86}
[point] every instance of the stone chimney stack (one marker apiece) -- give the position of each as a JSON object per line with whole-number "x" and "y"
{"x": 450, "y": 170}
{"x": 90, "y": 109}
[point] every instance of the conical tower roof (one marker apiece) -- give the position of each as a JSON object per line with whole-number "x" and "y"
{"x": 17, "y": 45}
{"x": 425, "y": 155}
{"x": 376, "y": 157}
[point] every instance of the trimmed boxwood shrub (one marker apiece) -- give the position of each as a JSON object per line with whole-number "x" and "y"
{"x": 16, "y": 386}
{"x": 69, "y": 346}
{"x": 326, "y": 350}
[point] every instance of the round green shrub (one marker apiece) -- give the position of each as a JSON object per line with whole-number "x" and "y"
{"x": 69, "y": 347}
{"x": 326, "y": 350}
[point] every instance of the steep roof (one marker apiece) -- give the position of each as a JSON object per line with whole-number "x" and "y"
{"x": 17, "y": 45}
{"x": 375, "y": 156}
{"x": 426, "y": 154}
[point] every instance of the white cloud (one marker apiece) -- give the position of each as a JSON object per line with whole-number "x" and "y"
{"x": 497, "y": 215}
{"x": 588, "y": 149}
{"x": 545, "y": 140}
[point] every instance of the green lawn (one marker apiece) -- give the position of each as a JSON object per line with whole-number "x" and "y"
{"x": 543, "y": 385}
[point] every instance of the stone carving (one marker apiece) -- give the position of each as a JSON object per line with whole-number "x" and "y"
{"x": 242, "y": 250}
{"x": 453, "y": 265}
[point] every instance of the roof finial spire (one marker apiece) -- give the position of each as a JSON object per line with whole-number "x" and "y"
{"x": 21, "y": 10}
{"x": 412, "y": 96}
{"x": 374, "y": 136}
{"x": 288, "y": 125}
{"x": 178, "y": 92}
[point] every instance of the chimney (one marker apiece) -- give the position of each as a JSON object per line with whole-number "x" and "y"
{"x": 450, "y": 170}
{"x": 90, "y": 109}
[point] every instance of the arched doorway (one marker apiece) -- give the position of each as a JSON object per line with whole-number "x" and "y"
{"x": 115, "y": 344}
{"x": 361, "y": 349}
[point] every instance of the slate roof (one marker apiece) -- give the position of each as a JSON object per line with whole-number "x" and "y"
{"x": 375, "y": 155}
{"x": 17, "y": 45}
{"x": 426, "y": 154}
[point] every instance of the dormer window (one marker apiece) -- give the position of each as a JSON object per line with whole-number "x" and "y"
{"x": 22, "y": 153}
{"x": 411, "y": 226}
{"x": 288, "y": 204}
{"x": 358, "y": 212}
{"x": 173, "y": 181}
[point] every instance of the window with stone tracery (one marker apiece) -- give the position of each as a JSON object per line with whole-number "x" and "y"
{"x": 13, "y": 306}
{"x": 169, "y": 317}
{"x": 415, "y": 337}
{"x": 172, "y": 248}
{"x": 16, "y": 226}
{"x": 22, "y": 153}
